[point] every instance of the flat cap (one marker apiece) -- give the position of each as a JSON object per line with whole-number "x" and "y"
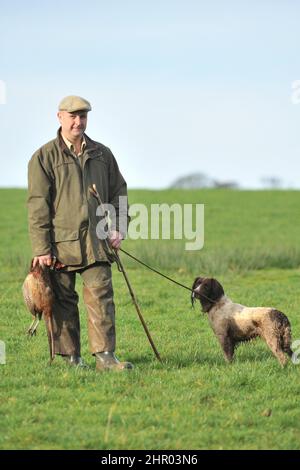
{"x": 74, "y": 103}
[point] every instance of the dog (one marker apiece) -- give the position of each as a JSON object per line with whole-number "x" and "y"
{"x": 234, "y": 323}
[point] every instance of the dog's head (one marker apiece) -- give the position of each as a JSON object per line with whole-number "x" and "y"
{"x": 208, "y": 291}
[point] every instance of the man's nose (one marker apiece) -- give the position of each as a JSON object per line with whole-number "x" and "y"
{"x": 77, "y": 120}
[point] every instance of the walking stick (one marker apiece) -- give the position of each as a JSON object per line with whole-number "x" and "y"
{"x": 94, "y": 192}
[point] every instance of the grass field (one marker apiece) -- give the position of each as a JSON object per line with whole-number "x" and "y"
{"x": 193, "y": 400}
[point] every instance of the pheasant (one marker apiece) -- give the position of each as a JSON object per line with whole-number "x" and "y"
{"x": 38, "y": 297}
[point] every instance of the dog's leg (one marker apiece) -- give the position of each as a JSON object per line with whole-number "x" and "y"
{"x": 227, "y": 345}
{"x": 274, "y": 344}
{"x": 286, "y": 341}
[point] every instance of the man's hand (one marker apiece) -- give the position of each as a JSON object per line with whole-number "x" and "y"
{"x": 42, "y": 260}
{"x": 115, "y": 239}
{"x": 47, "y": 261}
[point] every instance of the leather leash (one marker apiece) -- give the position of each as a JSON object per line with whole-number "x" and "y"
{"x": 167, "y": 277}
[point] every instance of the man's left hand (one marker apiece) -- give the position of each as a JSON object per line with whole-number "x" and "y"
{"x": 115, "y": 239}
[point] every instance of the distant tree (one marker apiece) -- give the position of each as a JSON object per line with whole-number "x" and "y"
{"x": 226, "y": 184}
{"x": 192, "y": 181}
{"x": 199, "y": 180}
{"x": 271, "y": 182}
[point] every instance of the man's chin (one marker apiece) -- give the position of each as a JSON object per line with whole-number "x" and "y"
{"x": 77, "y": 133}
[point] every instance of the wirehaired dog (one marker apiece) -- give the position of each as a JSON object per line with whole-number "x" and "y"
{"x": 234, "y": 323}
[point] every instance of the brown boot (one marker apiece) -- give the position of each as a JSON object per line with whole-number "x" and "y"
{"x": 108, "y": 361}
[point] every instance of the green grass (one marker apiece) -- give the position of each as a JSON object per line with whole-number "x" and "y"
{"x": 191, "y": 401}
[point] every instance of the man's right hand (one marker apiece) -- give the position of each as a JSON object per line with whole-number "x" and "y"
{"x": 44, "y": 259}
{"x": 47, "y": 261}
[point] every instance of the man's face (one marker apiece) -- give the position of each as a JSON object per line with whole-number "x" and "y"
{"x": 73, "y": 125}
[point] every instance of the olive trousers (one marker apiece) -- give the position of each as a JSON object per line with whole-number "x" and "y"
{"x": 98, "y": 299}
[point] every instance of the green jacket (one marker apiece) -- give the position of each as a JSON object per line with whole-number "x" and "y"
{"x": 61, "y": 210}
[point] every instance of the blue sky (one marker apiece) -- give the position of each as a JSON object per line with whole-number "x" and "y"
{"x": 176, "y": 86}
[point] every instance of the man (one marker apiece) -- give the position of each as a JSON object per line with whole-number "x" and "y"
{"x": 62, "y": 226}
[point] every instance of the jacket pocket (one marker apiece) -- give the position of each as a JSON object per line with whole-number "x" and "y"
{"x": 67, "y": 247}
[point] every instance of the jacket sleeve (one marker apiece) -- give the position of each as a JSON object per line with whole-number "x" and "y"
{"x": 118, "y": 198}
{"x": 39, "y": 206}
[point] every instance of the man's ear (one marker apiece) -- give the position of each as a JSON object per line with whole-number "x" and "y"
{"x": 59, "y": 116}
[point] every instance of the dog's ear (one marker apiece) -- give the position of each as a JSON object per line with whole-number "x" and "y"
{"x": 210, "y": 292}
{"x": 217, "y": 290}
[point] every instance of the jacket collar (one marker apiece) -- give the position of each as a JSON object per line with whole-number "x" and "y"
{"x": 91, "y": 145}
